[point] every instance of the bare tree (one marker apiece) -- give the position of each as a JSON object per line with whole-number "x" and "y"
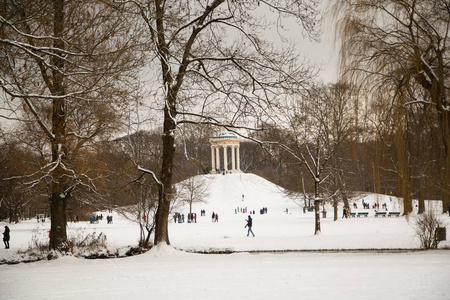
{"x": 318, "y": 124}
{"x": 215, "y": 67}
{"x": 142, "y": 208}
{"x": 193, "y": 190}
{"x": 399, "y": 47}
{"x": 68, "y": 64}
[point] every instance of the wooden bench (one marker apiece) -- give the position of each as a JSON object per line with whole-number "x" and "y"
{"x": 353, "y": 215}
{"x": 365, "y": 214}
{"x": 394, "y": 213}
{"x": 380, "y": 213}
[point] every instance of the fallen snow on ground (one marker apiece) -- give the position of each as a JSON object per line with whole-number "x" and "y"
{"x": 166, "y": 272}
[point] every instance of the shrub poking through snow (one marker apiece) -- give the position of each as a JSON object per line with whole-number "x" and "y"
{"x": 427, "y": 226}
{"x": 92, "y": 245}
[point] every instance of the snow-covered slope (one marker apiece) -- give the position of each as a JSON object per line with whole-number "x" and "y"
{"x": 281, "y": 230}
{"x": 225, "y": 193}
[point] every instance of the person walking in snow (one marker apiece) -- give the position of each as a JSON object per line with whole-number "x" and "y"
{"x": 6, "y": 237}
{"x": 249, "y": 225}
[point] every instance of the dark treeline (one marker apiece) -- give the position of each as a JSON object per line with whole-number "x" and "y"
{"x": 365, "y": 166}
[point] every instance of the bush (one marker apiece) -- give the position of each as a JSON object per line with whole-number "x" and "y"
{"x": 426, "y": 226}
{"x": 90, "y": 245}
{"x": 37, "y": 249}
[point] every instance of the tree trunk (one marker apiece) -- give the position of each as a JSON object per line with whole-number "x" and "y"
{"x": 421, "y": 196}
{"x": 165, "y": 190}
{"x": 317, "y": 216}
{"x": 59, "y": 194}
{"x": 346, "y": 204}
{"x": 58, "y": 234}
{"x": 317, "y": 207}
{"x": 335, "y": 208}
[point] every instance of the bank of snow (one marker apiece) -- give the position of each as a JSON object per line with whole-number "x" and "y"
{"x": 167, "y": 273}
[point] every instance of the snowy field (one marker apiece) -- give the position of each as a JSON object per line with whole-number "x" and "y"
{"x": 359, "y": 263}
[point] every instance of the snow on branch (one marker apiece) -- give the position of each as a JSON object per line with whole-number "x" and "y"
{"x": 146, "y": 171}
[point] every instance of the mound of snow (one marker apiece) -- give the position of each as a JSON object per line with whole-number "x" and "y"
{"x": 225, "y": 193}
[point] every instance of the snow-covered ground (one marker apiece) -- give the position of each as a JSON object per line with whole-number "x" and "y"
{"x": 166, "y": 272}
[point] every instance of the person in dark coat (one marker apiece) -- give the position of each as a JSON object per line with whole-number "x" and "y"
{"x": 249, "y": 225}
{"x": 6, "y": 237}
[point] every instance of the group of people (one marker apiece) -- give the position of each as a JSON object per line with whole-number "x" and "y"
{"x": 96, "y": 218}
{"x": 346, "y": 213}
{"x": 191, "y": 217}
{"x": 40, "y": 219}
{"x": 241, "y": 210}
{"x": 109, "y": 219}
{"x": 73, "y": 219}
{"x": 308, "y": 208}
{"x": 178, "y": 218}
{"x": 215, "y": 217}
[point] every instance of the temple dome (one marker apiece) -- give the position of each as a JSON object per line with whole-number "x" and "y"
{"x": 225, "y": 135}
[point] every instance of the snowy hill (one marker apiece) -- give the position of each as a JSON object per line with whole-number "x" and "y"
{"x": 278, "y": 230}
{"x": 225, "y": 193}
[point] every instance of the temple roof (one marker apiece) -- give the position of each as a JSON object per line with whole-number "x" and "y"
{"x": 225, "y": 135}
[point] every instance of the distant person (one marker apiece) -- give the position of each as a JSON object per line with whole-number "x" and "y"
{"x": 213, "y": 217}
{"x": 6, "y": 237}
{"x": 249, "y": 225}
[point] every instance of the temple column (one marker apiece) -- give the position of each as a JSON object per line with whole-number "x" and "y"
{"x": 213, "y": 161}
{"x": 217, "y": 158}
{"x": 225, "y": 158}
{"x": 238, "y": 161}
{"x": 233, "y": 160}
